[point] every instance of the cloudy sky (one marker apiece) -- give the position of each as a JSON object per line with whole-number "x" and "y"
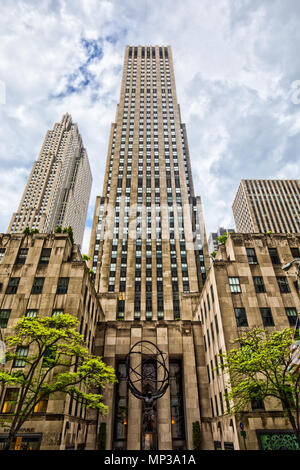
{"x": 237, "y": 70}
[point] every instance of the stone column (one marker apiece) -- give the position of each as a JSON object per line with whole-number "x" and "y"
{"x": 109, "y": 358}
{"x": 134, "y": 404}
{"x": 163, "y": 403}
{"x": 190, "y": 385}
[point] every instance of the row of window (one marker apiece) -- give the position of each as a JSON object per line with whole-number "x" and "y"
{"x": 37, "y": 286}
{"x": 23, "y": 252}
{"x": 266, "y": 315}
{"x": 252, "y": 258}
{"x": 235, "y": 287}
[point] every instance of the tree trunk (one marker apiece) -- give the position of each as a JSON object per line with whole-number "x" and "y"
{"x": 9, "y": 441}
{"x": 295, "y": 429}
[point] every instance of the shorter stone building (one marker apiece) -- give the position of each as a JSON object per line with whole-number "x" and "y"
{"x": 185, "y": 401}
{"x": 246, "y": 287}
{"x": 41, "y": 275}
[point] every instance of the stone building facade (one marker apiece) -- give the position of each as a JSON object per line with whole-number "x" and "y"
{"x": 246, "y": 288}
{"x": 42, "y": 275}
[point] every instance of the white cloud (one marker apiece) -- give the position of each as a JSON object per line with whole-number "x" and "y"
{"x": 234, "y": 66}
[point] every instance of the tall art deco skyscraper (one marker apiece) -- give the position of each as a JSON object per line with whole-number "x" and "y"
{"x": 149, "y": 251}
{"x": 59, "y": 185}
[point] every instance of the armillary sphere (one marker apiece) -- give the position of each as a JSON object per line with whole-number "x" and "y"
{"x": 147, "y": 373}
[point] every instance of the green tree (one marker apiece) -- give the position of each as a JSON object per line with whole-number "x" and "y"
{"x": 57, "y": 362}
{"x": 68, "y": 230}
{"x": 259, "y": 368}
{"x": 29, "y": 231}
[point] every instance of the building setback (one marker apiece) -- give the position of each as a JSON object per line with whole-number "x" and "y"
{"x": 43, "y": 275}
{"x": 213, "y": 243}
{"x": 149, "y": 251}
{"x": 246, "y": 287}
{"x": 59, "y": 185}
{"x": 267, "y": 205}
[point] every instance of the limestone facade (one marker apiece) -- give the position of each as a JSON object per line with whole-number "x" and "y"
{"x": 231, "y": 284}
{"x": 25, "y": 258}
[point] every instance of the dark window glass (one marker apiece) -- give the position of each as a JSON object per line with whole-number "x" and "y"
{"x": 257, "y": 404}
{"x": 283, "y": 285}
{"x": 21, "y": 258}
{"x": 121, "y": 407}
{"x": 37, "y": 286}
{"x": 259, "y": 284}
{"x": 2, "y": 252}
{"x": 22, "y": 352}
{"x": 292, "y": 315}
{"x": 212, "y": 293}
{"x": 4, "y": 317}
{"x": 266, "y": 316}
{"x": 274, "y": 256}
{"x": 62, "y": 285}
{"x": 240, "y": 316}
{"x": 251, "y": 256}
{"x": 12, "y": 286}
{"x": 45, "y": 256}
{"x": 121, "y": 309}
{"x": 295, "y": 252}
{"x": 176, "y": 399}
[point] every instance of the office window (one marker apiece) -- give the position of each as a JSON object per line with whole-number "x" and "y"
{"x": 240, "y": 316}
{"x": 121, "y": 407}
{"x": 22, "y": 353}
{"x": 31, "y": 313}
{"x": 37, "y": 286}
{"x": 283, "y": 285}
{"x": 41, "y": 406}
{"x": 121, "y": 309}
{"x": 45, "y": 256}
{"x": 292, "y": 315}
{"x": 251, "y": 256}
{"x": 22, "y": 255}
{"x": 266, "y": 316}
{"x": 176, "y": 399}
{"x": 12, "y": 286}
{"x": 10, "y": 400}
{"x": 274, "y": 255}
{"x": 212, "y": 293}
{"x": 234, "y": 283}
{"x": 4, "y": 317}
{"x": 2, "y": 252}
{"x": 62, "y": 285}
{"x": 257, "y": 404}
{"x": 56, "y": 312}
{"x": 259, "y": 284}
{"x": 295, "y": 252}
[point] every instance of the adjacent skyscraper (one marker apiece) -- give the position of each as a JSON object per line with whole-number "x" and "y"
{"x": 267, "y": 205}
{"x": 59, "y": 185}
{"x": 148, "y": 248}
{"x": 213, "y": 243}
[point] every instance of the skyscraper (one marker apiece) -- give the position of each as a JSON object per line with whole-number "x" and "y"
{"x": 267, "y": 205}
{"x": 149, "y": 251}
{"x": 59, "y": 185}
